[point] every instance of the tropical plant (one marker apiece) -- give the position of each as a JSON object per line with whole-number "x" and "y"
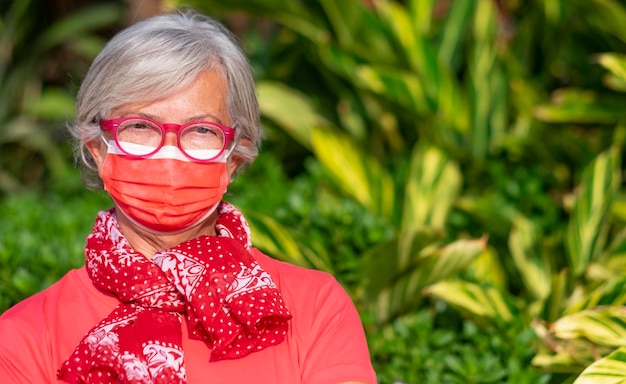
{"x": 457, "y": 154}
{"x": 486, "y": 127}
{"x": 36, "y": 96}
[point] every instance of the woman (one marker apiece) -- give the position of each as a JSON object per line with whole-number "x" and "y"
{"x": 172, "y": 290}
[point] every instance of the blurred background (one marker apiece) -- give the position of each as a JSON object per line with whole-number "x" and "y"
{"x": 456, "y": 164}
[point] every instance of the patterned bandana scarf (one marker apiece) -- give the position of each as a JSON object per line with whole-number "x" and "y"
{"x": 228, "y": 300}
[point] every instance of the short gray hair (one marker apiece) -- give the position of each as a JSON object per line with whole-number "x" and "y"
{"x": 158, "y": 57}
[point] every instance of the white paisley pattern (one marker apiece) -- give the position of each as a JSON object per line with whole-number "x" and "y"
{"x": 249, "y": 278}
{"x": 161, "y": 357}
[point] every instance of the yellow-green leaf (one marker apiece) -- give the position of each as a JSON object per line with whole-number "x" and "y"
{"x": 605, "y": 326}
{"x": 479, "y": 302}
{"x": 608, "y": 370}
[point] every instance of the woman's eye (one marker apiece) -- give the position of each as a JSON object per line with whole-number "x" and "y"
{"x": 204, "y": 130}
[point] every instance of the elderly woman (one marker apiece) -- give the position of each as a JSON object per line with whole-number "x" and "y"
{"x": 172, "y": 290}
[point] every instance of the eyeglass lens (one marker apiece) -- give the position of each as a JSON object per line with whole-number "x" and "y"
{"x": 141, "y": 137}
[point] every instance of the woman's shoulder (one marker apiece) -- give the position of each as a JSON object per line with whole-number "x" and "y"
{"x": 70, "y": 300}
{"x": 35, "y": 305}
{"x": 47, "y": 327}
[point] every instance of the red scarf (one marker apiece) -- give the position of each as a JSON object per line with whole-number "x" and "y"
{"x": 229, "y": 302}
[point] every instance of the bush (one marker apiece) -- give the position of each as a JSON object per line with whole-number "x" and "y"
{"x": 438, "y": 347}
{"x": 42, "y": 236}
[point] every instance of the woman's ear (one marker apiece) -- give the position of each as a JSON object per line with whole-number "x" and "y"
{"x": 235, "y": 160}
{"x": 97, "y": 149}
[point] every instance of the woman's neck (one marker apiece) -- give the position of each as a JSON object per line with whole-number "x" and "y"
{"x": 148, "y": 243}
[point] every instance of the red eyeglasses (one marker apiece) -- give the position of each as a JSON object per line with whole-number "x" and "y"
{"x": 142, "y": 137}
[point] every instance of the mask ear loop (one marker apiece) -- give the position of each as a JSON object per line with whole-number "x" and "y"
{"x": 104, "y": 141}
{"x": 229, "y": 151}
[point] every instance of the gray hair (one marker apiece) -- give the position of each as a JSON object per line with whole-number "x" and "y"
{"x": 156, "y": 58}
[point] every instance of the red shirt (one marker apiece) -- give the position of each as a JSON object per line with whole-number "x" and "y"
{"x": 325, "y": 343}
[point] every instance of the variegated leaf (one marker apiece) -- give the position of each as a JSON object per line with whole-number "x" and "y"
{"x": 432, "y": 186}
{"x": 357, "y": 173}
{"x": 610, "y": 369}
{"x": 612, "y": 292}
{"x": 524, "y": 246}
{"x": 402, "y": 291}
{"x": 615, "y": 63}
{"x": 275, "y": 99}
{"x": 273, "y": 238}
{"x": 482, "y": 303}
{"x": 587, "y": 228}
{"x": 603, "y": 326}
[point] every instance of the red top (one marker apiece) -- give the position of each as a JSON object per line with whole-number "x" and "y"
{"x": 325, "y": 343}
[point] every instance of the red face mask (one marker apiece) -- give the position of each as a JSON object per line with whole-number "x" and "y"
{"x": 164, "y": 193}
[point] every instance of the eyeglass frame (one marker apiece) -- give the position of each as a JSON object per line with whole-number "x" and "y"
{"x": 112, "y": 125}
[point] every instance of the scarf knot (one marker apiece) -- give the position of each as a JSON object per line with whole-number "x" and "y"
{"x": 214, "y": 282}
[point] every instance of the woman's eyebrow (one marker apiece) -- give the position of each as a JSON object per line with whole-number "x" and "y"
{"x": 203, "y": 117}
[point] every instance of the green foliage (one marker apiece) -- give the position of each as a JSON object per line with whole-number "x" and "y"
{"x": 433, "y": 347}
{"x": 35, "y": 103}
{"x": 305, "y": 221}
{"x": 458, "y": 121}
{"x": 458, "y": 152}
{"x": 42, "y": 236}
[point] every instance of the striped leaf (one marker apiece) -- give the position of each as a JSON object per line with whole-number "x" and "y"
{"x": 524, "y": 246}
{"x": 608, "y": 370}
{"x": 587, "y": 228}
{"x": 356, "y": 28}
{"x": 488, "y": 268}
{"x": 615, "y": 63}
{"x": 489, "y": 86}
{"x": 404, "y": 286}
{"x": 276, "y": 98}
{"x": 612, "y": 292}
{"x": 605, "y": 15}
{"x": 398, "y": 86}
{"x": 603, "y": 326}
{"x": 481, "y": 303}
{"x": 357, "y": 173}
{"x": 276, "y": 240}
{"x": 385, "y": 262}
{"x": 431, "y": 189}
{"x": 570, "y": 105}
{"x": 407, "y": 31}
{"x": 454, "y": 31}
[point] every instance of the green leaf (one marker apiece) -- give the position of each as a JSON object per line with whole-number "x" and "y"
{"x": 481, "y": 303}
{"x": 524, "y": 243}
{"x": 55, "y": 104}
{"x": 277, "y": 241}
{"x": 275, "y": 99}
{"x": 354, "y": 26}
{"x": 611, "y": 292}
{"x": 587, "y": 228}
{"x": 489, "y": 86}
{"x": 608, "y": 370}
{"x": 602, "y": 326}
{"x": 357, "y": 173}
{"x": 454, "y": 31}
{"x": 571, "y": 105}
{"x": 417, "y": 51}
{"x": 615, "y": 63}
{"x": 488, "y": 268}
{"x": 605, "y": 15}
{"x": 80, "y": 23}
{"x": 432, "y": 187}
{"x": 404, "y": 287}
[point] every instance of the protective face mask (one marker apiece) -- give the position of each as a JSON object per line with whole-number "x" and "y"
{"x": 166, "y": 193}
